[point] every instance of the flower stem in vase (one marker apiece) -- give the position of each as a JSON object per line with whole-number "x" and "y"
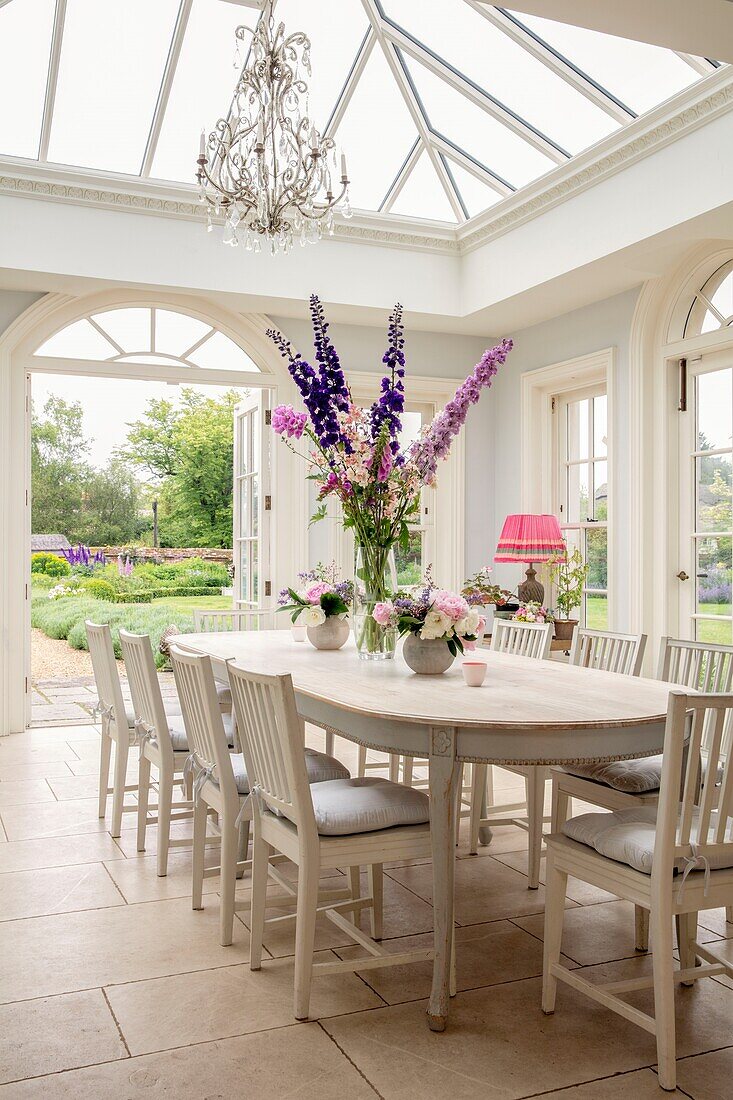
{"x": 374, "y": 582}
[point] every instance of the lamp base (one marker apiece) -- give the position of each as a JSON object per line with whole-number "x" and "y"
{"x": 531, "y": 590}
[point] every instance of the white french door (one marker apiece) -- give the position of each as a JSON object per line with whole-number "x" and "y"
{"x": 252, "y": 500}
{"x": 706, "y": 529}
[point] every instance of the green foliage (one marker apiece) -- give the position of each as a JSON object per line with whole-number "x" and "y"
{"x": 332, "y": 604}
{"x": 98, "y": 588}
{"x": 50, "y": 565}
{"x": 569, "y": 575}
{"x": 188, "y": 448}
{"x": 42, "y": 580}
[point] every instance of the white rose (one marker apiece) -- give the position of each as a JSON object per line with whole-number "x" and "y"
{"x": 313, "y": 615}
{"x": 436, "y": 625}
{"x": 469, "y": 623}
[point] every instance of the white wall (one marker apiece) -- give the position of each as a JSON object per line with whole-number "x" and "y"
{"x": 601, "y": 325}
{"x": 434, "y": 355}
{"x": 12, "y": 304}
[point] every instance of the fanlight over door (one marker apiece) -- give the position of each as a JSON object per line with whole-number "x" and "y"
{"x": 252, "y": 500}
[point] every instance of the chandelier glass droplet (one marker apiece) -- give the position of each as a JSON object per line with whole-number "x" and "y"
{"x": 265, "y": 168}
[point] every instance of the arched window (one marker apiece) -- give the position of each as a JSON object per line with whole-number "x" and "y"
{"x": 148, "y": 335}
{"x": 712, "y": 306}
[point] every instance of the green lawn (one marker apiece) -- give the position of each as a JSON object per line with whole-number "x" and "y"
{"x": 187, "y": 603}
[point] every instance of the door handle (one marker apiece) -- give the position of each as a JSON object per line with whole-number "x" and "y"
{"x": 682, "y": 575}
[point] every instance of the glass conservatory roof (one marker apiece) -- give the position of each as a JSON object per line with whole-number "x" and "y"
{"x": 443, "y": 107}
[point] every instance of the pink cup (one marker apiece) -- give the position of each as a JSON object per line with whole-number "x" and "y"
{"x": 474, "y": 672}
{"x": 300, "y": 633}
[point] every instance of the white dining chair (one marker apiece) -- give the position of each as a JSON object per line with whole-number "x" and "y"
{"x": 531, "y": 640}
{"x": 625, "y": 784}
{"x": 674, "y": 860}
{"x": 163, "y": 745}
{"x": 117, "y": 725}
{"x": 342, "y": 823}
{"x": 206, "y": 621}
{"x": 221, "y": 787}
{"x": 608, "y": 650}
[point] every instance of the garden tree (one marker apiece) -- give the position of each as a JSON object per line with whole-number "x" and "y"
{"x": 112, "y": 506}
{"x": 59, "y": 467}
{"x": 188, "y": 449}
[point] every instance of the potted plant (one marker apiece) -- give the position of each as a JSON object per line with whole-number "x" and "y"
{"x": 568, "y": 573}
{"x": 322, "y": 605}
{"x": 533, "y": 612}
{"x": 436, "y": 625}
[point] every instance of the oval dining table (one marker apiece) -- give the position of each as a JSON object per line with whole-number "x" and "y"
{"x": 526, "y": 712}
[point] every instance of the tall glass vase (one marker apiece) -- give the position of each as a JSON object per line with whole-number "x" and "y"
{"x": 375, "y": 580}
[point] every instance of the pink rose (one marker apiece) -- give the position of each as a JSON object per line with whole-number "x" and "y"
{"x": 315, "y": 591}
{"x": 383, "y": 612}
{"x": 481, "y": 625}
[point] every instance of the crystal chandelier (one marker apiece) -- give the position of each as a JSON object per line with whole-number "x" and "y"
{"x": 265, "y": 169}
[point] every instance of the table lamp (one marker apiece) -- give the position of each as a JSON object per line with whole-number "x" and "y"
{"x": 530, "y": 538}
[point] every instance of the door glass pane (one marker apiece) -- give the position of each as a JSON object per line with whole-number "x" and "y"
{"x": 245, "y": 524}
{"x": 255, "y": 442}
{"x": 577, "y": 430}
{"x": 600, "y": 491}
{"x": 244, "y": 570}
{"x": 714, "y": 630}
{"x": 244, "y": 466}
{"x": 600, "y": 425}
{"x": 409, "y": 562}
{"x": 714, "y": 409}
{"x": 255, "y": 572}
{"x": 255, "y": 486}
{"x": 714, "y": 576}
{"x": 578, "y": 490}
{"x": 723, "y": 297}
{"x": 596, "y": 556}
{"x": 596, "y": 612}
{"x": 713, "y": 493}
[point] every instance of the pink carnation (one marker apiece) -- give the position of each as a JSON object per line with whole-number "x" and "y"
{"x": 286, "y": 421}
{"x": 383, "y": 612}
{"x": 455, "y": 607}
{"x": 315, "y": 591}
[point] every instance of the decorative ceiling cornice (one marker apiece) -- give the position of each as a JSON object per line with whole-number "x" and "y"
{"x": 684, "y": 113}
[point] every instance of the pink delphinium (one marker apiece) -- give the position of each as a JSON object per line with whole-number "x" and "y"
{"x": 286, "y": 421}
{"x": 314, "y": 592}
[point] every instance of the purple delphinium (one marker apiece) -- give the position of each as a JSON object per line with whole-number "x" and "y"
{"x": 330, "y": 373}
{"x": 436, "y": 443}
{"x": 390, "y": 405}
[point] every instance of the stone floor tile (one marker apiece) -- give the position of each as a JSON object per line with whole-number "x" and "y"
{"x": 24, "y": 792}
{"x": 51, "y": 713}
{"x": 299, "y": 1061}
{"x": 582, "y": 892}
{"x": 47, "y": 955}
{"x": 57, "y": 890}
{"x": 706, "y": 1076}
{"x": 714, "y": 920}
{"x": 57, "y": 1033}
{"x": 58, "y": 851}
{"x": 160, "y": 1014}
{"x": 80, "y": 786}
{"x": 640, "y": 1085}
{"x": 14, "y": 772}
{"x": 138, "y": 881}
{"x": 48, "y": 819}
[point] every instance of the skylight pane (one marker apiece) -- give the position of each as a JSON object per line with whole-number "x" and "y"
{"x": 640, "y": 75}
{"x": 473, "y": 130}
{"x": 203, "y": 86}
{"x": 476, "y": 196}
{"x": 221, "y": 353}
{"x": 423, "y": 196}
{"x": 130, "y": 328}
{"x": 336, "y": 32}
{"x": 502, "y": 68}
{"x": 112, "y": 61}
{"x": 79, "y": 340}
{"x": 375, "y": 150}
{"x": 26, "y": 27}
{"x": 175, "y": 333}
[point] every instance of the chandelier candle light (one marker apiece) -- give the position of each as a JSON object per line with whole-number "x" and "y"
{"x": 265, "y": 168}
{"x": 356, "y": 457}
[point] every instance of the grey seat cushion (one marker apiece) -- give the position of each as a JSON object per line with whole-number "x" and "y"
{"x": 224, "y": 696}
{"x": 344, "y": 806}
{"x": 178, "y": 732}
{"x": 320, "y": 768}
{"x": 172, "y": 709}
{"x": 626, "y": 836}
{"x": 629, "y": 776}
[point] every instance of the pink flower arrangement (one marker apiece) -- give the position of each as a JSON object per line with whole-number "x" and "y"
{"x": 315, "y": 591}
{"x": 533, "y": 612}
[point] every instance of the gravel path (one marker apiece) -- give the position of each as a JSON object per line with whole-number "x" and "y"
{"x": 53, "y": 659}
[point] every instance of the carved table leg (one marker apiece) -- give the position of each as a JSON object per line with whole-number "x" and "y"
{"x": 485, "y": 834}
{"x": 444, "y": 778}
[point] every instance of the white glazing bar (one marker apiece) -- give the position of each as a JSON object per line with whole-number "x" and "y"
{"x": 53, "y": 76}
{"x": 166, "y": 84}
{"x": 339, "y": 110}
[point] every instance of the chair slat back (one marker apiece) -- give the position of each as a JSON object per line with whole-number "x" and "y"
{"x": 522, "y": 639}
{"x": 205, "y": 621}
{"x": 701, "y": 817}
{"x": 272, "y": 742}
{"x": 703, "y": 667}
{"x": 609, "y": 651}
{"x": 107, "y": 679}
{"x": 147, "y": 701}
{"x": 205, "y": 733}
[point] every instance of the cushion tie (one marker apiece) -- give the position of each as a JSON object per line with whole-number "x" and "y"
{"x": 695, "y": 862}
{"x": 144, "y": 733}
{"x": 201, "y": 774}
{"x": 101, "y": 710}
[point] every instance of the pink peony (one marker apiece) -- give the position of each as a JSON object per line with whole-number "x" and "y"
{"x": 315, "y": 591}
{"x": 383, "y": 612}
{"x": 455, "y": 607}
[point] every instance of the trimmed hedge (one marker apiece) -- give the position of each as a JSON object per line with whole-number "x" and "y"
{"x": 50, "y": 565}
{"x": 150, "y": 594}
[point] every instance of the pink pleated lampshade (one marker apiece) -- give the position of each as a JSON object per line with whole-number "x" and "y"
{"x": 529, "y": 538}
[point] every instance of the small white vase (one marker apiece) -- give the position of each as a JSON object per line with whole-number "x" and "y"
{"x": 427, "y": 657}
{"x": 331, "y": 634}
